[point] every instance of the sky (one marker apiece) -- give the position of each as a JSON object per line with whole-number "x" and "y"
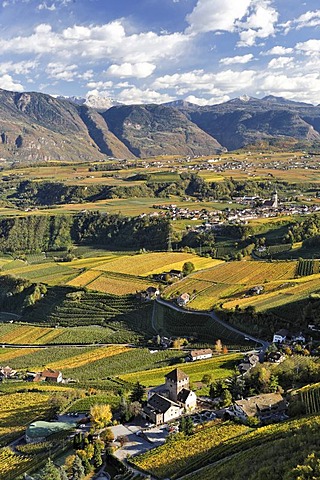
{"x": 155, "y": 51}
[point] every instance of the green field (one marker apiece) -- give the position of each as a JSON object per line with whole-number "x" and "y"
{"x": 219, "y": 367}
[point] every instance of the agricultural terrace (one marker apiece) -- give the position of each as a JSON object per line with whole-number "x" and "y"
{"x": 229, "y": 283}
{"x": 218, "y": 367}
{"x": 12, "y": 464}
{"x": 93, "y": 363}
{"x": 15, "y": 334}
{"x": 20, "y": 409}
{"x": 150, "y": 263}
{"x": 114, "y": 273}
{"x": 252, "y": 455}
{"x": 172, "y": 457}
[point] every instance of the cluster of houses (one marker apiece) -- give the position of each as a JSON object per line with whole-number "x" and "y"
{"x": 174, "y": 398}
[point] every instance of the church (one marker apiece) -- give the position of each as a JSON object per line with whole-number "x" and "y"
{"x": 171, "y": 399}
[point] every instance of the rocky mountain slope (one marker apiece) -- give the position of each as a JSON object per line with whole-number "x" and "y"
{"x": 36, "y": 127}
{"x": 245, "y": 121}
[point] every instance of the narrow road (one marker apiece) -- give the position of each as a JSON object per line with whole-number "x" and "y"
{"x": 214, "y": 316}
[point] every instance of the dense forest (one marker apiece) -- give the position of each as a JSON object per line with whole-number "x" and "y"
{"x": 58, "y": 232}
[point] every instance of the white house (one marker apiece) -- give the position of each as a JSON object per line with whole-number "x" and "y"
{"x": 280, "y": 336}
{"x": 183, "y": 299}
{"x": 200, "y": 354}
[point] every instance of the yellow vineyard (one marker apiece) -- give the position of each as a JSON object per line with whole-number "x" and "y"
{"x": 88, "y": 357}
{"x": 229, "y": 284}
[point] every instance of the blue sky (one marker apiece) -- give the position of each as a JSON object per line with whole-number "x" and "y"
{"x": 140, "y": 51}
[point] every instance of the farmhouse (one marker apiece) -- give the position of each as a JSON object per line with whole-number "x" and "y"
{"x": 199, "y": 354}
{"x": 266, "y": 407}
{"x": 171, "y": 399}
{"x": 281, "y": 336}
{"x": 183, "y": 299}
{"x": 47, "y": 375}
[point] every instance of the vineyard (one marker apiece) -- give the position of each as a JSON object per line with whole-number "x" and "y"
{"x": 217, "y": 285}
{"x": 18, "y": 410}
{"x": 203, "y": 327}
{"x": 170, "y": 459}
{"x": 219, "y": 367}
{"x": 124, "y": 318}
{"x": 307, "y": 267}
{"x": 310, "y": 398}
{"x": 12, "y": 465}
{"x": 252, "y": 455}
{"x": 231, "y": 285}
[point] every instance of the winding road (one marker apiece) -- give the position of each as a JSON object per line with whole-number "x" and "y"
{"x": 213, "y": 315}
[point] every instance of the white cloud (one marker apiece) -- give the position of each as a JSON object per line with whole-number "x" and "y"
{"x": 218, "y": 84}
{"x": 278, "y": 50}
{"x": 296, "y": 87}
{"x": 108, "y": 41}
{"x": 281, "y": 62}
{"x": 260, "y": 24}
{"x": 138, "y": 70}
{"x": 310, "y": 47}
{"x": 135, "y": 95}
{"x": 60, "y": 71}
{"x": 19, "y": 68}
{"x": 308, "y": 19}
{"x": 206, "y": 101}
{"x": 7, "y": 83}
{"x": 237, "y": 59}
{"x": 44, "y": 6}
{"x": 209, "y": 16}
{"x": 99, "y": 85}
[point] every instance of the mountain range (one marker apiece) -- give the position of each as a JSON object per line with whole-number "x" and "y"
{"x": 37, "y": 127}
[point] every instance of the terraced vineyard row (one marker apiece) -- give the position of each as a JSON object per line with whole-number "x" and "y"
{"x": 203, "y": 327}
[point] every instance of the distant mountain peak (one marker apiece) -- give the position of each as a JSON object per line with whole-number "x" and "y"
{"x": 283, "y": 101}
{"x": 98, "y": 102}
{"x": 180, "y": 104}
{"x": 245, "y": 98}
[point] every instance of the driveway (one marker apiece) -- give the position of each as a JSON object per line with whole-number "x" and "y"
{"x": 149, "y": 438}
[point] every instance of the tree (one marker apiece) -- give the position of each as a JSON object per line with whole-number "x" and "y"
{"x": 97, "y": 456}
{"x": 135, "y": 409}
{"x": 101, "y": 415}
{"x": 218, "y": 346}
{"x": 107, "y": 435}
{"x": 137, "y": 393}
{"x": 63, "y": 474}
{"x": 50, "y": 471}
{"x": 77, "y": 469}
{"x": 216, "y": 389}
{"x": 226, "y": 398}
{"x": 206, "y": 379}
{"x": 189, "y": 427}
{"x": 182, "y": 425}
{"x": 187, "y": 268}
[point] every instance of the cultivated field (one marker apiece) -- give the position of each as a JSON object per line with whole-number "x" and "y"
{"x": 229, "y": 284}
{"x": 173, "y": 457}
{"x": 219, "y": 367}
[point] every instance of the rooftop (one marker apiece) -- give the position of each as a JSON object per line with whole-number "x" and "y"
{"x": 176, "y": 375}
